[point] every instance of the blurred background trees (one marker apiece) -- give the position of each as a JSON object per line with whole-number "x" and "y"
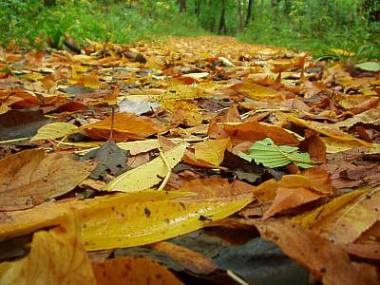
{"x": 305, "y": 24}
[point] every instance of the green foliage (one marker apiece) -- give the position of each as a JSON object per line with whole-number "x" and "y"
{"x": 317, "y": 26}
{"x": 96, "y": 20}
{"x": 314, "y": 25}
{"x": 271, "y": 155}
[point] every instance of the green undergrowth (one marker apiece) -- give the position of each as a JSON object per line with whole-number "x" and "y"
{"x": 319, "y": 27}
{"x": 33, "y": 24}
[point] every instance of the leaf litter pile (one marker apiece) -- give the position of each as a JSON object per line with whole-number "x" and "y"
{"x": 188, "y": 161}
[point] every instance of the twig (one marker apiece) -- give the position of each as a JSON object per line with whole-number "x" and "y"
{"x": 236, "y": 278}
{"x": 166, "y": 179}
{"x": 112, "y": 122}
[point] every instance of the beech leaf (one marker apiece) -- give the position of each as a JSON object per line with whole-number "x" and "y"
{"x": 271, "y": 155}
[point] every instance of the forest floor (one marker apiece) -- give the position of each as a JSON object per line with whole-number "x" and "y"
{"x": 188, "y": 160}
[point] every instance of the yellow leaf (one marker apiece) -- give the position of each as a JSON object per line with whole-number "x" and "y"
{"x": 125, "y": 220}
{"x": 325, "y": 129}
{"x": 344, "y": 219}
{"x": 147, "y": 175}
{"x": 54, "y": 131}
{"x": 4, "y": 108}
{"x": 342, "y": 52}
{"x": 334, "y": 145}
{"x": 57, "y": 257}
{"x": 211, "y": 151}
{"x": 311, "y": 218}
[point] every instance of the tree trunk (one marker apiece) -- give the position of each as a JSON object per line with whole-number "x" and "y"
{"x": 197, "y": 7}
{"x": 182, "y": 5}
{"x": 222, "y": 23}
{"x": 249, "y": 12}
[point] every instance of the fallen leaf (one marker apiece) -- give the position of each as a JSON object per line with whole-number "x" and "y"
{"x": 318, "y": 254}
{"x": 125, "y": 220}
{"x": 149, "y": 174}
{"x": 211, "y": 151}
{"x": 54, "y": 131}
{"x": 271, "y": 155}
{"x": 190, "y": 260}
{"x": 30, "y": 177}
{"x": 133, "y": 270}
{"x": 126, "y": 127}
{"x": 57, "y": 256}
{"x": 21, "y": 124}
{"x": 254, "y": 131}
{"x": 111, "y": 160}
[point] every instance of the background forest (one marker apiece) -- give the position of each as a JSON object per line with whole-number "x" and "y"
{"x": 314, "y": 25}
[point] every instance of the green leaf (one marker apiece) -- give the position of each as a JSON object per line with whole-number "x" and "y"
{"x": 271, "y": 155}
{"x": 371, "y": 66}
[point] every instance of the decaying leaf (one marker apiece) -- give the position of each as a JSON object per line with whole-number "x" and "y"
{"x": 57, "y": 256}
{"x": 111, "y": 160}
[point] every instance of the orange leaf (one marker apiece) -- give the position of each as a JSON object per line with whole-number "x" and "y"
{"x": 133, "y": 270}
{"x": 254, "y": 131}
{"x": 126, "y": 127}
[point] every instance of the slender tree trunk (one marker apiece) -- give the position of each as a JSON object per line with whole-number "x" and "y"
{"x": 222, "y": 23}
{"x": 240, "y": 14}
{"x": 288, "y": 7}
{"x": 197, "y": 7}
{"x": 249, "y": 12}
{"x": 182, "y": 5}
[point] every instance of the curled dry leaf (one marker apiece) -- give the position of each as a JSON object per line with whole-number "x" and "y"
{"x": 30, "y": 177}
{"x": 57, "y": 256}
{"x": 344, "y": 219}
{"x": 133, "y": 270}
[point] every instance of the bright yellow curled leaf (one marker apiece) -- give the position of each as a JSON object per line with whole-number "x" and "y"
{"x": 211, "y": 151}
{"x": 344, "y": 219}
{"x": 325, "y": 129}
{"x": 55, "y": 130}
{"x": 125, "y": 220}
{"x": 57, "y": 257}
{"x": 149, "y": 174}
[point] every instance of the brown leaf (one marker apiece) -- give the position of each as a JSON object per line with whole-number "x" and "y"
{"x": 189, "y": 259}
{"x": 30, "y": 177}
{"x": 325, "y": 260}
{"x": 133, "y": 270}
{"x": 288, "y": 198}
{"x": 216, "y": 187}
{"x": 254, "y": 131}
